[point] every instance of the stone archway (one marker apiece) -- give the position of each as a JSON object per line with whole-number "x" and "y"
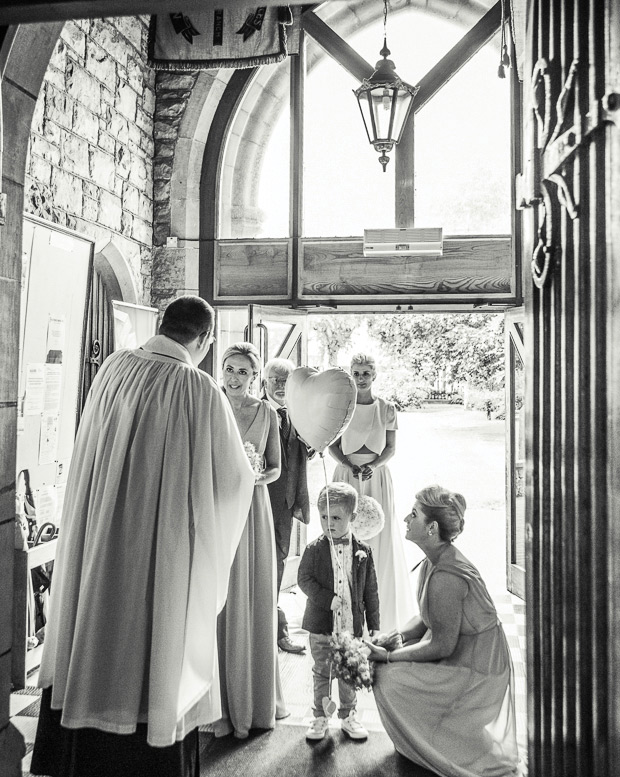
{"x": 115, "y": 270}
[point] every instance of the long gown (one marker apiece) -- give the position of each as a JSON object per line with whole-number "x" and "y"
{"x": 246, "y": 631}
{"x": 455, "y": 716}
{"x": 157, "y": 499}
{"x": 368, "y": 427}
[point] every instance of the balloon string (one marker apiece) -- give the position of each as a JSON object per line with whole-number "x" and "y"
{"x": 337, "y": 617}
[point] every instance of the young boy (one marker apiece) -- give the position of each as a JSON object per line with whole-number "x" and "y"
{"x": 339, "y": 579}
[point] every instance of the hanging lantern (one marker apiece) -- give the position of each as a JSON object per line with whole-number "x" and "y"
{"x": 385, "y": 101}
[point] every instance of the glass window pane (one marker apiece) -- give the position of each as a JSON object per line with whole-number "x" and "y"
{"x": 255, "y": 170}
{"x": 416, "y": 39}
{"x": 462, "y": 152}
{"x": 273, "y": 186}
{"x": 345, "y": 190}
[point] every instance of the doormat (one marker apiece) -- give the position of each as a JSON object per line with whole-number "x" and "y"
{"x": 285, "y": 752}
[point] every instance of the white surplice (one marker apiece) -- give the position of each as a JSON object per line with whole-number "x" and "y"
{"x": 157, "y": 497}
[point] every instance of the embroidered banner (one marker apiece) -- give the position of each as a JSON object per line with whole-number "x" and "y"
{"x": 223, "y": 37}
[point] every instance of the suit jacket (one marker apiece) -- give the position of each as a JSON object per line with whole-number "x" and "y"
{"x": 289, "y": 493}
{"x": 316, "y": 579}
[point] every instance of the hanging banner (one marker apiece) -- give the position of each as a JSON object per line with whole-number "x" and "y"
{"x": 214, "y": 38}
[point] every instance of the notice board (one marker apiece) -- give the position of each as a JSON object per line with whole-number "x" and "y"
{"x": 56, "y": 273}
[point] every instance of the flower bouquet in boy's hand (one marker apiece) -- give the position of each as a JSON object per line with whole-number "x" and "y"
{"x": 350, "y": 662}
{"x": 390, "y": 640}
{"x": 255, "y": 458}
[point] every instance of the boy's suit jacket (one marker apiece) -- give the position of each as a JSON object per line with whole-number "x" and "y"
{"x": 316, "y": 580}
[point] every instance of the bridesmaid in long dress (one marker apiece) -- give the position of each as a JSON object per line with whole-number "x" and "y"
{"x": 249, "y": 679}
{"x": 446, "y": 697}
{"x": 362, "y": 453}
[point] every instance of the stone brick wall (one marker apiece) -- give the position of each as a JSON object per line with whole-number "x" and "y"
{"x": 174, "y": 91}
{"x": 168, "y": 272}
{"x": 91, "y": 144}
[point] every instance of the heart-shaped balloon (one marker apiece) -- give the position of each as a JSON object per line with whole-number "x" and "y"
{"x": 320, "y": 404}
{"x": 329, "y": 706}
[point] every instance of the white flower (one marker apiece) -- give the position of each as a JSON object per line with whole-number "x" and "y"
{"x": 361, "y": 554}
{"x": 255, "y": 458}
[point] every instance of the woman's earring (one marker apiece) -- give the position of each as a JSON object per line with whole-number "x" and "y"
{"x": 430, "y": 534}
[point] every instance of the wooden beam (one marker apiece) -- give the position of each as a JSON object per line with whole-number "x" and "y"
{"x": 296, "y": 173}
{"x": 28, "y": 11}
{"x": 404, "y": 179}
{"x": 458, "y": 56}
{"x": 336, "y": 47}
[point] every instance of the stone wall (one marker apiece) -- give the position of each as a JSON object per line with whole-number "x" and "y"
{"x": 174, "y": 91}
{"x": 91, "y": 145}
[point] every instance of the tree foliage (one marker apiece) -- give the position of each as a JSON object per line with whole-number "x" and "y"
{"x": 334, "y": 333}
{"x": 458, "y": 346}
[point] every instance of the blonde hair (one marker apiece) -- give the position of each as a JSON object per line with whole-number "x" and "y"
{"x": 364, "y": 358}
{"x": 244, "y": 349}
{"x": 338, "y": 494}
{"x": 446, "y": 507}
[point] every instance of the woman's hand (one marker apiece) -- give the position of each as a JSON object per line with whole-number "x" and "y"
{"x": 391, "y": 640}
{"x": 379, "y": 654}
{"x": 367, "y": 471}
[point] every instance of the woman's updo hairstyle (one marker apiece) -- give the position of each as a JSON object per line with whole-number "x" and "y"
{"x": 244, "y": 349}
{"x": 445, "y": 507}
{"x": 364, "y": 358}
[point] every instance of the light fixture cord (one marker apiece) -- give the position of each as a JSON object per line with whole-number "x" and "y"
{"x": 385, "y": 12}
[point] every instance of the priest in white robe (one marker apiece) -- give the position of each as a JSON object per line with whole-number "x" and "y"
{"x": 158, "y": 493}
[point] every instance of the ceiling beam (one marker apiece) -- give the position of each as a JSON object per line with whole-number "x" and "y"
{"x": 336, "y": 47}
{"x": 458, "y": 56}
{"x": 28, "y": 11}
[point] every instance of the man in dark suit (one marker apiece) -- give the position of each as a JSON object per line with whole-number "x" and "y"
{"x": 289, "y": 493}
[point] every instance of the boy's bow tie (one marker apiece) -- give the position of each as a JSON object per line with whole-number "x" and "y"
{"x": 340, "y": 540}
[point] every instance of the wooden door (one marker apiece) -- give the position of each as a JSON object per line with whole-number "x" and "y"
{"x": 571, "y": 325}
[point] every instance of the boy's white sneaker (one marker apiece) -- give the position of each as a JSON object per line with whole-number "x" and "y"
{"x": 318, "y": 728}
{"x": 353, "y": 727}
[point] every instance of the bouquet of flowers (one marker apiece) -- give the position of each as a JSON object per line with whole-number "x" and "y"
{"x": 349, "y": 657}
{"x": 369, "y": 520}
{"x": 256, "y": 460}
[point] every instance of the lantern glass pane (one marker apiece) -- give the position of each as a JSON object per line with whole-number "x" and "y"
{"x": 400, "y": 114}
{"x": 382, "y": 111}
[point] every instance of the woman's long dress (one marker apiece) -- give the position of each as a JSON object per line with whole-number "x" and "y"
{"x": 368, "y": 427}
{"x": 455, "y": 716}
{"x": 246, "y": 633}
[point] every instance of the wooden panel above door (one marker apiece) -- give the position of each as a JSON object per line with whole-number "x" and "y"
{"x": 473, "y": 270}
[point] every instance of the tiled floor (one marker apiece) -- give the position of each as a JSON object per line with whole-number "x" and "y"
{"x": 296, "y": 674}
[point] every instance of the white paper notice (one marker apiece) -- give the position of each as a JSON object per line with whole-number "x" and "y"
{"x": 35, "y": 389}
{"x": 48, "y": 442}
{"x": 55, "y": 338}
{"x": 60, "y": 500}
{"x": 51, "y": 402}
